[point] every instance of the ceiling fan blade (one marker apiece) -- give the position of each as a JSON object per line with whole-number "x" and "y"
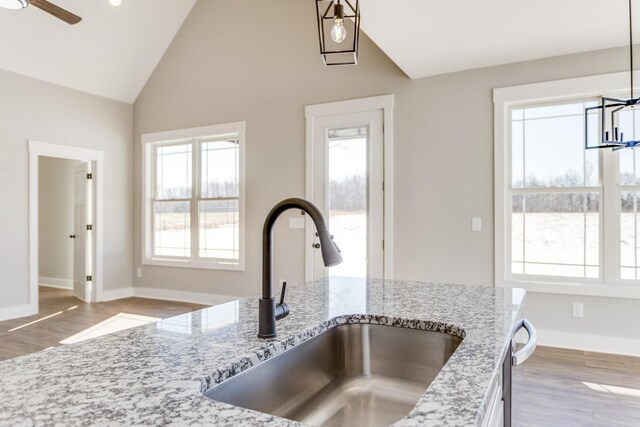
{"x": 56, "y": 11}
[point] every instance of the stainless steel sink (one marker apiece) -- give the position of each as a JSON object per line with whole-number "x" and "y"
{"x": 351, "y": 375}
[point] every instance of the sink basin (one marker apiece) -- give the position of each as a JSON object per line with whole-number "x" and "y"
{"x": 350, "y": 375}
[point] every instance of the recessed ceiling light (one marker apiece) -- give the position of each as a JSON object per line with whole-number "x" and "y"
{"x": 13, "y": 4}
{"x": 115, "y": 3}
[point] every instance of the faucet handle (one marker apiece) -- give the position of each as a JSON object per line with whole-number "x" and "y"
{"x": 282, "y": 309}
{"x": 284, "y": 290}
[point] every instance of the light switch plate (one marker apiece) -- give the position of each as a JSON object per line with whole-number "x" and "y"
{"x": 476, "y": 224}
{"x": 139, "y": 272}
{"x": 296, "y": 222}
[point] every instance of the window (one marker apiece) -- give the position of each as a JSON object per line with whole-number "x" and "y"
{"x": 555, "y": 193}
{"x": 629, "y": 198}
{"x": 567, "y": 220}
{"x": 194, "y": 213}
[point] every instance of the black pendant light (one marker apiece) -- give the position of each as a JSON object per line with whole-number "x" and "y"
{"x": 338, "y": 31}
{"x": 609, "y": 111}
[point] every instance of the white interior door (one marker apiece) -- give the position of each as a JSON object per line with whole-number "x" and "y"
{"x": 83, "y": 241}
{"x": 348, "y": 187}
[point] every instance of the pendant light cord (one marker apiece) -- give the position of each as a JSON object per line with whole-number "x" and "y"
{"x": 631, "y": 46}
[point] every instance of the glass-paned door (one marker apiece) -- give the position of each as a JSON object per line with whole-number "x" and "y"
{"x": 348, "y": 188}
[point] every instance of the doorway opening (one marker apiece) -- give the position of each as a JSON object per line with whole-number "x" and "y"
{"x": 65, "y": 224}
{"x": 350, "y": 178}
{"x": 65, "y": 248}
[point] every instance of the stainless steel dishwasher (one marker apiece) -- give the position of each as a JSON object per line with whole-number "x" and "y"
{"x": 514, "y": 359}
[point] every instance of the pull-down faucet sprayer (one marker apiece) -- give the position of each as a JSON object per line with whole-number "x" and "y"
{"x": 268, "y": 310}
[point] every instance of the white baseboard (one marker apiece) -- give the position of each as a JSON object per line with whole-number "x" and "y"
{"x": 24, "y": 310}
{"x": 52, "y": 282}
{"x": 182, "y": 296}
{"x": 587, "y": 342}
{"x": 165, "y": 295}
{"x": 16, "y": 311}
{"x": 115, "y": 294}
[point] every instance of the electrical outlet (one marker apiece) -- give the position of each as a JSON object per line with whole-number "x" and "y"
{"x": 139, "y": 273}
{"x": 578, "y": 309}
{"x": 476, "y": 224}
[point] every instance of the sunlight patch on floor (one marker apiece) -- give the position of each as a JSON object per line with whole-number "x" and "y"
{"x": 35, "y": 321}
{"x": 612, "y": 389}
{"x": 41, "y": 319}
{"x": 119, "y": 322}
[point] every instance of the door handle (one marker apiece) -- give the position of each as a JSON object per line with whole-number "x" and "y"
{"x": 72, "y": 236}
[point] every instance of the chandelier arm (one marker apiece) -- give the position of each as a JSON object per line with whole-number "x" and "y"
{"x": 631, "y": 46}
{"x": 614, "y": 106}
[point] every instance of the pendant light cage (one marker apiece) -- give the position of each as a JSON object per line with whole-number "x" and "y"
{"x": 604, "y": 120}
{"x": 607, "y": 116}
{"x": 346, "y": 52}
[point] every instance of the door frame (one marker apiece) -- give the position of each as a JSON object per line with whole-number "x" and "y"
{"x": 361, "y": 105}
{"x": 43, "y": 149}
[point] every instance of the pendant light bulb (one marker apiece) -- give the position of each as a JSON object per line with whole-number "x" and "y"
{"x": 115, "y": 3}
{"x": 338, "y": 32}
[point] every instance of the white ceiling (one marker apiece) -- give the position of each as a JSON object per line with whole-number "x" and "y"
{"x": 114, "y": 50}
{"x": 430, "y": 37}
{"x": 111, "y": 52}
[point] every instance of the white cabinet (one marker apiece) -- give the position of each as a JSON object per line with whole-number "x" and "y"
{"x": 495, "y": 412}
{"x": 495, "y": 416}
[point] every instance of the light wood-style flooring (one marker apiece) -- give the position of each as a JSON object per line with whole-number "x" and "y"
{"x": 66, "y": 321}
{"x": 566, "y": 388}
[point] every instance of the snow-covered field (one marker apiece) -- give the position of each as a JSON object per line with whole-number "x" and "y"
{"x": 350, "y": 234}
{"x": 565, "y": 239}
{"x": 556, "y": 243}
{"x": 219, "y": 236}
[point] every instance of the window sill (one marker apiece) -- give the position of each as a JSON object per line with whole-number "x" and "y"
{"x": 203, "y": 265}
{"x": 582, "y": 289}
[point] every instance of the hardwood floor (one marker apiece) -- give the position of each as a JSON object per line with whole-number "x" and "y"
{"x": 557, "y": 387}
{"x": 66, "y": 321}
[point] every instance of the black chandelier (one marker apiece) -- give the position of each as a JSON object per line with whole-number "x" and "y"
{"x": 338, "y": 31}
{"x": 609, "y": 109}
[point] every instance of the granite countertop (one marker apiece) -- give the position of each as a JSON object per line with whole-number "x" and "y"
{"x": 155, "y": 374}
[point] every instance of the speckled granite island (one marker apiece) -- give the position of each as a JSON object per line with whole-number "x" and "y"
{"x": 156, "y": 374}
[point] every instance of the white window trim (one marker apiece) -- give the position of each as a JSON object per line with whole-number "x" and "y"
{"x": 148, "y": 141}
{"x": 557, "y": 91}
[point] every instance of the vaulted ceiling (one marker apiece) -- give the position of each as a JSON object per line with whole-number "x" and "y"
{"x": 114, "y": 50}
{"x": 111, "y": 52}
{"x": 430, "y": 37}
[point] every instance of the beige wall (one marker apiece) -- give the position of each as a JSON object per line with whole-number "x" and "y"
{"x": 55, "y": 218}
{"x": 34, "y": 110}
{"x": 264, "y": 73}
{"x": 267, "y": 69}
